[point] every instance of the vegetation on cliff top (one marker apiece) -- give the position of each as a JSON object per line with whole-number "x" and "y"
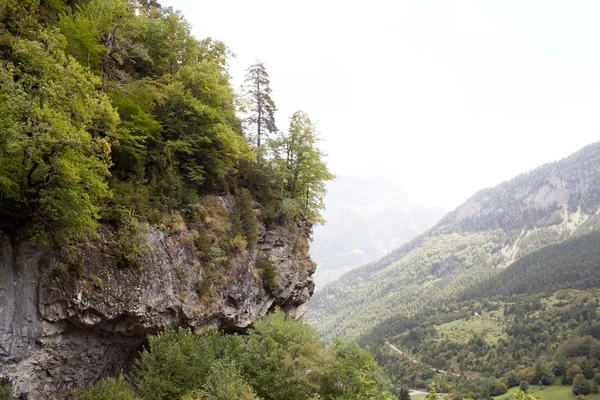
{"x": 112, "y": 107}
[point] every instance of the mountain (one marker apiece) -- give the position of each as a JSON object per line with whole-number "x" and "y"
{"x": 505, "y": 282}
{"x": 365, "y": 219}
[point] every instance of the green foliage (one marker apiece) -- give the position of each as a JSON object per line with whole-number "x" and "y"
{"x": 521, "y": 395}
{"x": 86, "y": 28}
{"x": 282, "y": 359}
{"x": 5, "y": 393}
{"x": 302, "y": 165}
{"x": 115, "y": 95}
{"x": 243, "y": 219}
{"x": 107, "y": 389}
{"x": 129, "y": 240}
{"x": 543, "y": 374}
{"x": 581, "y": 385}
{"x": 55, "y": 153}
{"x": 404, "y": 394}
{"x": 224, "y": 382}
{"x": 278, "y": 359}
{"x": 267, "y": 271}
{"x": 261, "y": 108}
{"x": 179, "y": 361}
{"x": 524, "y": 386}
{"x": 355, "y": 375}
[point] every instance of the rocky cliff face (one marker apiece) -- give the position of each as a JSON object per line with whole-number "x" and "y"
{"x": 60, "y": 329}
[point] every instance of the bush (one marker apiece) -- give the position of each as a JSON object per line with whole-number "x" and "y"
{"x": 5, "y": 391}
{"x": 268, "y": 272}
{"x": 581, "y": 385}
{"x": 178, "y": 361}
{"x": 243, "y": 219}
{"x": 499, "y": 389}
{"x": 226, "y": 383}
{"x": 543, "y": 374}
{"x": 129, "y": 241}
{"x": 107, "y": 389}
{"x": 524, "y": 386}
{"x": 279, "y": 359}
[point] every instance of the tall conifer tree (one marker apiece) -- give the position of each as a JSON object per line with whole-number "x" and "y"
{"x": 262, "y": 108}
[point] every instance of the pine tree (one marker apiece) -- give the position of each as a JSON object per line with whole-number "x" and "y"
{"x": 262, "y": 108}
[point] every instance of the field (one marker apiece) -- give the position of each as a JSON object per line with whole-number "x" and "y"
{"x": 461, "y": 331}
{"x": 554, "y": 392}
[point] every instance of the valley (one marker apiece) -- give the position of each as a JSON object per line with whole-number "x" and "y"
{"x": 502, "y": 290}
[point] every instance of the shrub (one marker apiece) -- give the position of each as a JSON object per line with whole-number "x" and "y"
{"x": 107, "y": 389}
{"x": 225, "y": 382}
{"x": 97, "y": 282}
{"x": 581, "y": 385}
{"x": 129, "y": 241}
{"x": 268, "y": 272}
{"x": 243, "y": 219}
{"x": 178, "y": 361}
{"x": 499, "y": 389}
{"x": 238, "y": 242}
{"x": 5, "y": 391}
{"x": 524, "y": 386}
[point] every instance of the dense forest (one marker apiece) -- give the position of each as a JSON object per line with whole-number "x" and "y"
{"x": 112, "y": 112}
{"x": 521, "y": 325}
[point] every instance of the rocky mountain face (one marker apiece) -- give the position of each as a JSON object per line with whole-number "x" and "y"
{"x": 491, "y": 230}
{"x": 70, "y": 317}
{"x": 365, "y": 219}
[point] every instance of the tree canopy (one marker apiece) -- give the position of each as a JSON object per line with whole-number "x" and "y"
{"x": 102, "y": 99}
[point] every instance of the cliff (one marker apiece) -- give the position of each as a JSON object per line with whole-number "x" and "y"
{"x": 69, "y": 317}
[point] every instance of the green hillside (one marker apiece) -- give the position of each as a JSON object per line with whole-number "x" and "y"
{"x": 502, "y": 290}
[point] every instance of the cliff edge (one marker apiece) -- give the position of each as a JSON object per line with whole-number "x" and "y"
{"x": 72, "y": 316}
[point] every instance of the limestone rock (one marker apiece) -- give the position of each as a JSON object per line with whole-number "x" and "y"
{"x": 59, "y": 332}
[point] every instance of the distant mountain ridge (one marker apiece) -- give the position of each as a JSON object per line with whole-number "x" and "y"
{"x": 365, "y": 219}
{"x": 492, "y": 229}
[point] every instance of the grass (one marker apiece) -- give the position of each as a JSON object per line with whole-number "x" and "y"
{"x": 553, "y": 392}
{"x": 461, "y": 331}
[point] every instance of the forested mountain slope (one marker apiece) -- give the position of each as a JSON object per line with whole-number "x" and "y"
{"x": 365, "y": 219}
{"x": 492, "y": 229}
{"x": 536, "y": 321}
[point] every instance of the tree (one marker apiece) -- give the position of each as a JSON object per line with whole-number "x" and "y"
{"x": 302, "y": 165}
{"x": 55, "y": 133}
{"x": 404, "y": 394}
{"x": 282, "y": 359}
{"x": 581, "y": 385}
{"x": 262, "y": 108}
{"x": 354, "y": 374}
{"x": 524, "y": 386}
{"x": 543, "y": 374}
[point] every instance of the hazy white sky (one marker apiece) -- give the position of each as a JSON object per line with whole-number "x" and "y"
{"x": 446, "y": 97}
